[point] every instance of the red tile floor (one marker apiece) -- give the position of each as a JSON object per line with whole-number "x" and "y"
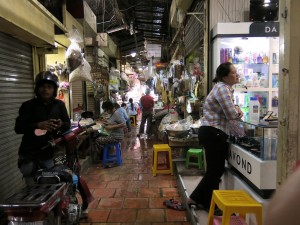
{"x": 129, "y": 194}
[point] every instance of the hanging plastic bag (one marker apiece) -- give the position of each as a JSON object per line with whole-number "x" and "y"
{"x": 74, "y": 56}
{"x": 83, "y": 73}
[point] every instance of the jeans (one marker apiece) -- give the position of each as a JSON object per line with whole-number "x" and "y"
{"x": 29, "y": 168}
{"x": 215, "y": 146}
{"x": 146, "y": 116}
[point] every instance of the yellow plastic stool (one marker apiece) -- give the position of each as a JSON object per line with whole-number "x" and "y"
{"x": 132, "y": 120}
{"x": 162, "y": 148}
{"x": 234, "y": 201}
{"x": 194, "y": 152}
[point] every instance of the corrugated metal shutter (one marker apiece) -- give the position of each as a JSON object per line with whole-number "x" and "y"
{"x": 194, "y": 31}
{"x": 91, "y": 100}
{"x": 16, "y": 86}
{"x": 77, "y": 99}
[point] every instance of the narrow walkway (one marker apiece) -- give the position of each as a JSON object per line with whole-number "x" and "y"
{"x": 129, "y": 194}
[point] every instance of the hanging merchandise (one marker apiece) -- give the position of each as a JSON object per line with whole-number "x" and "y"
{"x": 158, "y": 86}
{"x": 178, "y": 71}
{"x": 83, "y": 73}
{"x": 124, "y": 82}
{"x": 172, "y": 70}
{"x": 188, "y": 107}
{"x": 79, "y": 68}
{"x": 74, "y": 56}
{"x": 114, "y": 79}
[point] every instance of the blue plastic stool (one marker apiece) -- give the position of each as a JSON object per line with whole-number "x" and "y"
{"x": 117, "y": 157}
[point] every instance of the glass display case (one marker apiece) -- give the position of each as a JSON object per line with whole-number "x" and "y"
{"x": 260, "y": 140}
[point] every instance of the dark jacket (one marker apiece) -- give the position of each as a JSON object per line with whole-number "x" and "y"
{"x": 32, "y": 112}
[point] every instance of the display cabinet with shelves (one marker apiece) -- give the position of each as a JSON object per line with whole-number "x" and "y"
{"x": 254, "y": 51}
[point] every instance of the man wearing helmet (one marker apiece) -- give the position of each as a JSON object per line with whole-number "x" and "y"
{"x": 43, "y": 113}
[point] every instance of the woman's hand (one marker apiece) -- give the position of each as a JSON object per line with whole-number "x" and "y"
{"x": 239, "y": 111}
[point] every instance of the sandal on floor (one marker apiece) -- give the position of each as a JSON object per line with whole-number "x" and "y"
{"x": 176, "y": 206}
{"x": 170, "y": 201}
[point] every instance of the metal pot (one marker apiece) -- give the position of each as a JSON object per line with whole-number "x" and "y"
{"x": 195, "y": 130}
{"x": 178, "y": 133}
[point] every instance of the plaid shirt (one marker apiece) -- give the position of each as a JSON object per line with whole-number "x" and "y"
{"x": 219, "y": 108}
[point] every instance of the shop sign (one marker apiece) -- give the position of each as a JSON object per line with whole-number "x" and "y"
{"x": 240, "y": 161}
{"x": 261, "y": 173}
{"x": 265, "y": 29}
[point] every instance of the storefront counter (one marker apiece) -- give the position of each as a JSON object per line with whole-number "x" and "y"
{"x": 259, "y": 174}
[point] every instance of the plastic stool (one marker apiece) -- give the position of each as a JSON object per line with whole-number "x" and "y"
{"x": 132, "y": 120}
{"x": 162, "y": 148}
{"x": 117, "y": 157}
{"x": 234, "y": 220}
{"x": 194, "y": 152}
{"x": 234, "y": 201}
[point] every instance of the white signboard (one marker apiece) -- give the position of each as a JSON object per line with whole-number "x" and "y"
{"x": 261, "y": 173}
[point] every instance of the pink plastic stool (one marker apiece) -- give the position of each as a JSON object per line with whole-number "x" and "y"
{"x": 234, "y": 220}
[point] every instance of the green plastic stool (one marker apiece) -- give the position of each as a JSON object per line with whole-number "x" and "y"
{"x": 194, "y": 152}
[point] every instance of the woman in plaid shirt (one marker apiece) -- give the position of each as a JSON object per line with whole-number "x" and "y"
{"x": 218, "y": 110}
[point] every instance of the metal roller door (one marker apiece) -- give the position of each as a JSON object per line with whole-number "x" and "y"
{"x": 76, "y": 96}
{"x": 16, "y": 86}
{"x": 194, "y": 31}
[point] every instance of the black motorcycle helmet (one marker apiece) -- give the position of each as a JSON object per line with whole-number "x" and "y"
{"x": 46, "y": 77}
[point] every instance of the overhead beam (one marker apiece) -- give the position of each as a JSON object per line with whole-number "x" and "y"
{"x": 151, "y": 31}
{"x": 149, "y": 11}
{"x": 152, "y": 17}
{"x": 146, "y": 22}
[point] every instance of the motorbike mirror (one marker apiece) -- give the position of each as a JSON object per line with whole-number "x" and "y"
{"x": 39, "y": 132}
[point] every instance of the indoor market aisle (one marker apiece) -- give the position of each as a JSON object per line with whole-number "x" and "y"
{"x": 129, "y": 194}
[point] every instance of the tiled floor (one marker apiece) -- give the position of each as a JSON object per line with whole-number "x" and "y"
{"x": 129, "y": 194}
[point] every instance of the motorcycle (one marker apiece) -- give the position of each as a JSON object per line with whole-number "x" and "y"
{"x": 52, "y": 199}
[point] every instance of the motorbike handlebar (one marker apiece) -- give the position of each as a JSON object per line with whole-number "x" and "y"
{"x": 76, "y": 130}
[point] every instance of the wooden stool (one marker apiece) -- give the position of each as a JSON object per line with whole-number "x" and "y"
{"x": 234, "y": 201}
{"x": 117, "y": 157}
{"x": 194, "y": 152}
{"x": 132, "y": 120}
{"x": 162, "y": 148}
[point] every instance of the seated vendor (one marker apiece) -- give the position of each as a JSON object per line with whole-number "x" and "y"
{"x": 113, "y": 125}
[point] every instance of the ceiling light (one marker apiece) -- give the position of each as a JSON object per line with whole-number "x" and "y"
{"x": 133, "y": 54}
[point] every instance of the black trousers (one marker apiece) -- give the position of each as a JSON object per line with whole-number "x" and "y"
{"x": 215, "y": 146}
{"x": 146, "y": 117}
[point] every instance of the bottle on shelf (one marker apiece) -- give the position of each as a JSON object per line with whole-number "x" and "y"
{"x": 235, "y": 60}
{"x": 265, "y": 59}
{"x": 230, "y": 59}
{"x": 254, "y": 110}
{"x": 259, "y": 59}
